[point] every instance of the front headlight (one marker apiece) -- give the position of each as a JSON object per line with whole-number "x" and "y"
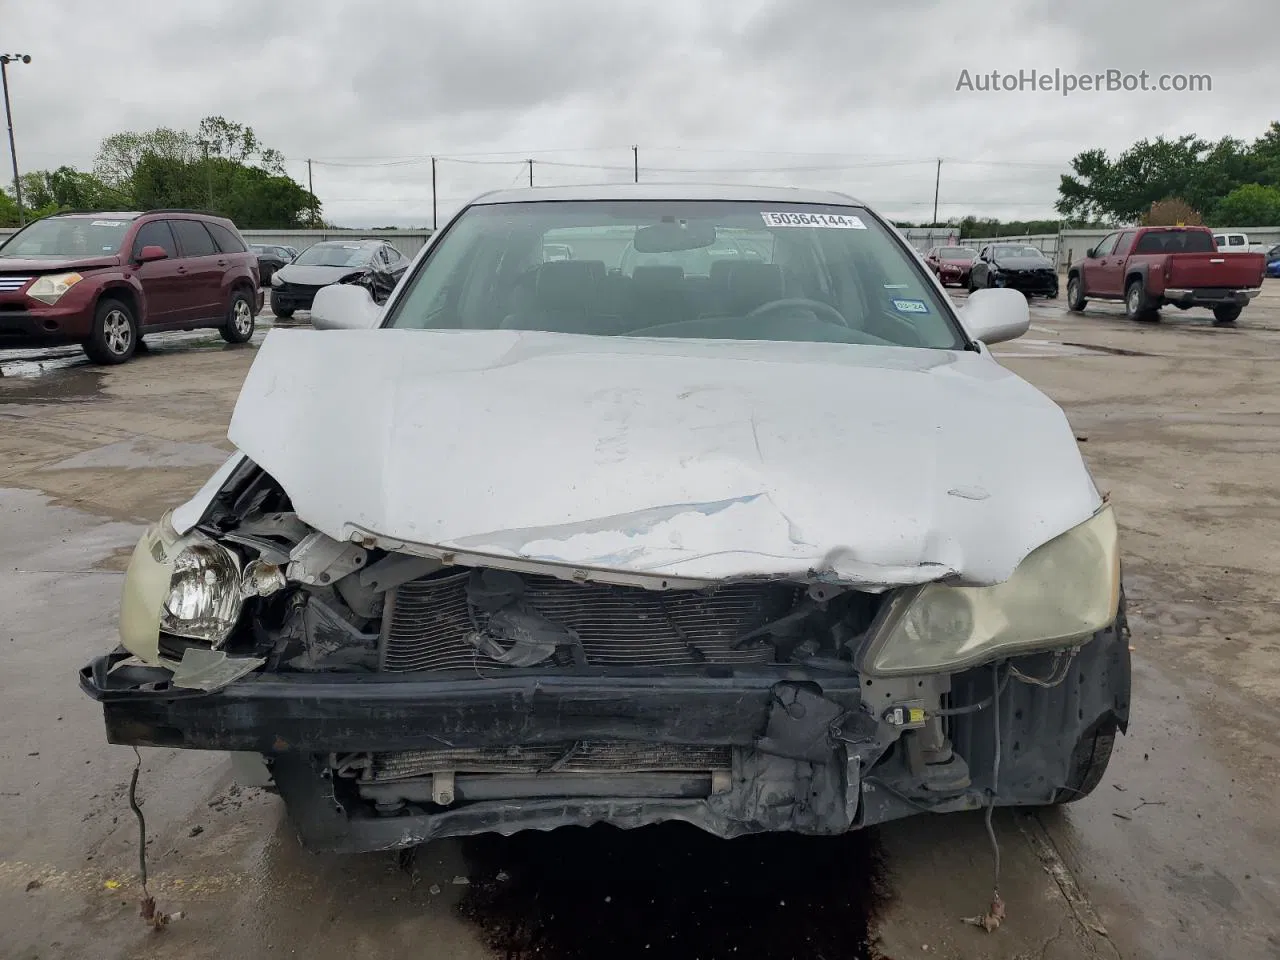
{"x": 187, "y": 586}
{"x": 276, "y": 281}
{"x": 1061, "y": 594}
{"x": 204, "y": 592}
{"x": 49, "y": 289}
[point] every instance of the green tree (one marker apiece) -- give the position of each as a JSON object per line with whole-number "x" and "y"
{"x": 68, "y": 189}
{"x": 1250, "y": 205}
{"x": 222, "y": 167}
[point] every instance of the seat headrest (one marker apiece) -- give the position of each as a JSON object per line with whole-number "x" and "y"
{"x": 753, "y": 284}
{"x": 567, "y": 284}
{"x": 658, "y": 274}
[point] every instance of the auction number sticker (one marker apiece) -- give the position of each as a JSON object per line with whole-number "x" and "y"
{"x": 829, "y": 221}
{"x": 910, "y": 306}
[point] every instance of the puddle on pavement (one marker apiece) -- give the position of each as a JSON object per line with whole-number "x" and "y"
{"x": 144, "y": 453}
{"x": 674, "y": 892}
{"x": 73, "y": 383}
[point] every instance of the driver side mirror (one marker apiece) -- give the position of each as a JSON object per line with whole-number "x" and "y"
{"x": 1091, "y": 253}
{"x": 151, "y": 253}
{"x": 995, "y": 315}
{"x": 344, "y": 306}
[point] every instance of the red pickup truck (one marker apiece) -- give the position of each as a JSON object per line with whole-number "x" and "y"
{"x": 1149, "y": 267}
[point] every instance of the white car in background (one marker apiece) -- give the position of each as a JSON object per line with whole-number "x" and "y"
{"x": 777, "y": 546}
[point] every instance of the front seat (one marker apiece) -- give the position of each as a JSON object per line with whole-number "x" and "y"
{"x": 565, "y": 298}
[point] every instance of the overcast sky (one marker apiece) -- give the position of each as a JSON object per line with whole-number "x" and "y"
{"x": 763, "y": 90}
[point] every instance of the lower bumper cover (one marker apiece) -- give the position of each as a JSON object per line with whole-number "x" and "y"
{"x": 1208, "y": 296}
{"x": 1033, "y": 283}
{"x": 26, "y": 329}
{"x": 810, "y": 755}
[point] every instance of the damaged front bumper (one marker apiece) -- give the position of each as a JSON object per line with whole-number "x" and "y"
{"x": 803, "y": 752}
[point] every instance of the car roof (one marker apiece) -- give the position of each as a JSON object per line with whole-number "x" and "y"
{"x": 113, "y": 214}
{"x": 344, "y": 242}
{"x": 668, "y": 191}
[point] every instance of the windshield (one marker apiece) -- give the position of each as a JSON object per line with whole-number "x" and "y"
{"x": 334, "y": 255}
{"x": 67, "y": 238}
{"x": 719, "y": 270}
{"x": 1017, "y": 251}
{"x": 958, "y": 253}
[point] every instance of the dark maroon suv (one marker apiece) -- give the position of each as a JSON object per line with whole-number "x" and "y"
{"x": 105, "y": 280}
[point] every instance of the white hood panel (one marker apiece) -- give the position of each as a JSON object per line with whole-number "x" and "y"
{"x": 691, "y": 459}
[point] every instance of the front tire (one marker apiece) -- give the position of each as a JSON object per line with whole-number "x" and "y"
{"x": 115, "y": 333}
{"x": 1075, "y": 295}
{"x": 1092, "y": 752}
{"x": 239, "y": 324}
{"x": 284, "y": 313}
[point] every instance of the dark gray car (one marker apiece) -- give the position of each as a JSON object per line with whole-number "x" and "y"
{"x": 372, "y": 263}
{"x": 271, "y": 257}
{"x": 1015, "y": 265}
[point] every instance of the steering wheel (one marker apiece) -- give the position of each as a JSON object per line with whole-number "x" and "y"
{"x": 817, "y": 306}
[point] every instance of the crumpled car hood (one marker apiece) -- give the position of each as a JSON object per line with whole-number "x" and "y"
{"x": 871, "y": 466}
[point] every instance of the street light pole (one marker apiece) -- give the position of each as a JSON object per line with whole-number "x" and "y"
{"x": 5, "y": 59}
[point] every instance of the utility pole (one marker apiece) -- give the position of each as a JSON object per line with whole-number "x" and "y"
{"x": 208, "y": 174}
{"x": 531, "y": 172}
{"x": 311, "y": 189}
{"x": 433, "y": 194}
{"x": 635, "y": 161}
{"x": 937, "y": 184}
{"x": 5, "y": 60}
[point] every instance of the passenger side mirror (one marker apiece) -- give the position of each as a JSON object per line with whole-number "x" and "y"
{"x": 1091, "y": 253}
{"x": 996, "y": 314}
{"x": 344, "y": 306}
{"x": 151, "y": 253}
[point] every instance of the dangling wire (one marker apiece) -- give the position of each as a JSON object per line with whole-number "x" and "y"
{"x": 148, "y": 909}
{"x": 995, "y": 913}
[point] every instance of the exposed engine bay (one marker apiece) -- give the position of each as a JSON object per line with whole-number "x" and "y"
{"x": 430, "y": 699}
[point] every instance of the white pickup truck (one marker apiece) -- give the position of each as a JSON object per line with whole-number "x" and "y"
{"x": 1237, "y": 243}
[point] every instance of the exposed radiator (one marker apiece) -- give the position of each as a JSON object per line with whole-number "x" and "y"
{"x": 430, "y": 624}
{"x": 582, "y": 757}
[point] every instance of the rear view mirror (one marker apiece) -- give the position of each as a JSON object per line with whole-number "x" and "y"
{"x": 344, "y": 306}
{"x": 996, "y": 314}
{"x": 671, "y": 237}
{"x": 151, "y": 253}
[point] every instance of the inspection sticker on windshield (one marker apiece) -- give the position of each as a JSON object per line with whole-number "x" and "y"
{"x": 107, "y": 223}
{"x": 830, "y": 221}
{"x": 910, "y": 306}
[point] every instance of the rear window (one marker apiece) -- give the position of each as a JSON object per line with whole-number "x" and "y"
{"x": 228, "y": 241}
{"x": 1175, "y": 241}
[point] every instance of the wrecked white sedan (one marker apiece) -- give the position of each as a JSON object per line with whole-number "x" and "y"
{"x": 637, "y": 504}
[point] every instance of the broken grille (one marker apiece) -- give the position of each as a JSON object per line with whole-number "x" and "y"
{"x": 429, "y": 622}
{"x": 582, "y": 757}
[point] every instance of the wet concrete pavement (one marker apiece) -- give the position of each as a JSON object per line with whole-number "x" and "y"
{"x": 1176, "y": 855}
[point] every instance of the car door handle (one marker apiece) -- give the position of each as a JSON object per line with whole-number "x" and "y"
{"x": 222, "y": 263}
{"x": 182, "y": 269}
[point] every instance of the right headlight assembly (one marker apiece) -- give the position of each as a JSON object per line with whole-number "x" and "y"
{"x": 188, "y": 586}
{"x": 1061, "y": 594}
